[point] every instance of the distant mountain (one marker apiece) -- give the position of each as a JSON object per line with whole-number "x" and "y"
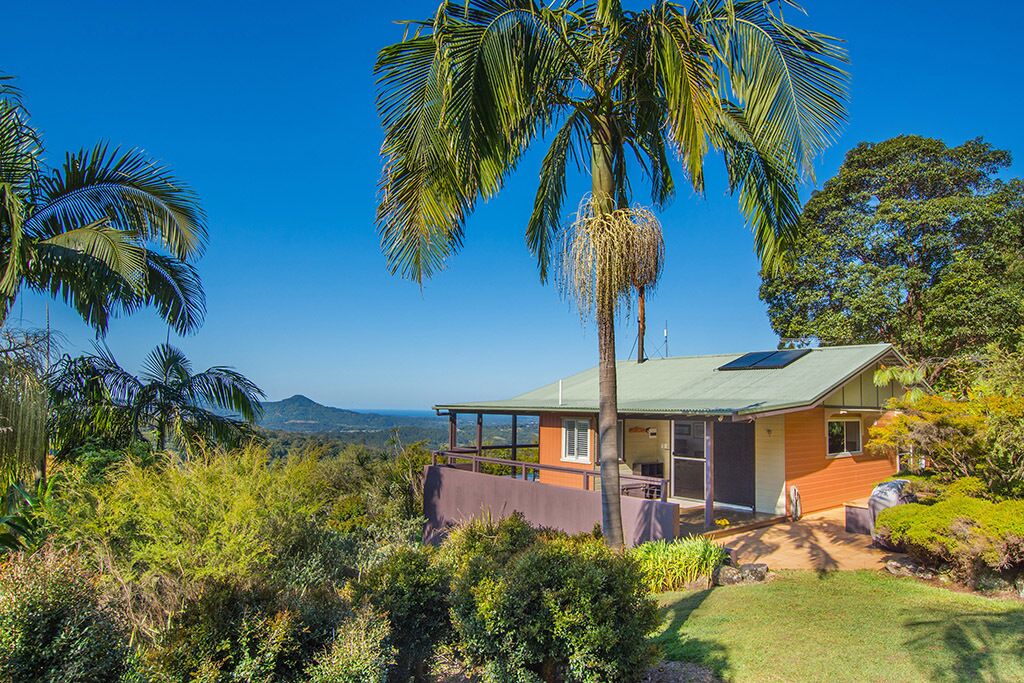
{"x": 302, "y": 414}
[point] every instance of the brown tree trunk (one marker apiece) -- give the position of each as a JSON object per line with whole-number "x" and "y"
{"x": 641, "y": 323}
{"x": 603, "y": 190}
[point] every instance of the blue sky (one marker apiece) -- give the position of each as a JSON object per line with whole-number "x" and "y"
{"x": 269, "y": 114}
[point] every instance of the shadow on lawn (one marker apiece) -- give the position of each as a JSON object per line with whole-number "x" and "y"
{"x": 677, "y": 646}
{"x": 983, "y": 645}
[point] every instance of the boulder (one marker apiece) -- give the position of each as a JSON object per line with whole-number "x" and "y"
{"x": 904, "y": 566}
{"x": 754, "y": 571}
{"x": 727, "y": 576}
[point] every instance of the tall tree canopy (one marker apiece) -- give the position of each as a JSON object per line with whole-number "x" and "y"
{"x": 912, "y": 242}
{"x": 107, "y": 230}
{"x": 609, "y": 91}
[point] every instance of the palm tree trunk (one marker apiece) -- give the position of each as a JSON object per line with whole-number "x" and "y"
{"x": 603, "y": 190}
{"x": 641, "y": 323}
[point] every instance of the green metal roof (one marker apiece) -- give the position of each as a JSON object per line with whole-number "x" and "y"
{"x": 694, "y": 385}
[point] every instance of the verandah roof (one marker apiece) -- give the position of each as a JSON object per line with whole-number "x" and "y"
{"x": 694, "y": 385}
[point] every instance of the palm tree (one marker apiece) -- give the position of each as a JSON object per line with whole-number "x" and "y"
{"x": 465, "y": 93}
{"x": 107, "y": 231}
{"x": 93, "y": 395}
{"x": 605, "y": 256}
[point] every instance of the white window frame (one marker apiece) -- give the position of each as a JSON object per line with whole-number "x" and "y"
{"x": 860, "y": 436}
{"x": 572, "y": 425}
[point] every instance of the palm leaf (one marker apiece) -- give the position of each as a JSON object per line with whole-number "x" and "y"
{"x": 133, "y": 193}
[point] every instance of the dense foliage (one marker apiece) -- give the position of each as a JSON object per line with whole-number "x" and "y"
{"x": 530, "y": 605}
{"x": 970, "y": 534}
{"x": 977, "y": 434}
{"x": 53, "y": 625}
{"x": 412, "y": 591}
{"x": 675, "y": 565}
{"x": 362, "y": 652}
{"x": 912, "y": 242}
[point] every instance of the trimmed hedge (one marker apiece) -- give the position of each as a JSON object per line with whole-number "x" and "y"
{"x": 970, "y": 534}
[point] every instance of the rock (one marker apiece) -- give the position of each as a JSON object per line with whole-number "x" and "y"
{"x": 990, "y": 582}
{"x": 904, "y": 566}
{"x": 754, "y": 571}
{"x": 680, "y": 672}
{"x": 727, "y": 576}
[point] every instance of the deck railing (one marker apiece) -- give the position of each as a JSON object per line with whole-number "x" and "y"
{"x": 650, "y": 488}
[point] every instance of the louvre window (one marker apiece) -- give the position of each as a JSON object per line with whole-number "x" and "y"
{"x": 843, "y": 437}
{"x": 576, "y": 440}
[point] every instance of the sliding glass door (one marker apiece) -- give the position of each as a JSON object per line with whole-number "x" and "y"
{"x": 689, "y": 446}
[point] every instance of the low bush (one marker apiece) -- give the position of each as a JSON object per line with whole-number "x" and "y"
{"x": 531, "y": 605}
{"x": 412, "y": 590}
{"x": 53, "y": 626}
{"x": 673, "y": 565}
{"x": 971, "y": 487}
{"x": 234, "y": 633}
{"x": 970, "y": 534}
{"x": 361, "y": 652}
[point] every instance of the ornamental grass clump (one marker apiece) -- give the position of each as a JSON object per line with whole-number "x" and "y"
{"x": 674, "y": 565}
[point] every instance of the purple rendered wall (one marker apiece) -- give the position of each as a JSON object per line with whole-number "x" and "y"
{"x": 451, "y": 496}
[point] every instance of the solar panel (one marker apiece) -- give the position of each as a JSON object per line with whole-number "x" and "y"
{"x": 747, "y": 360}
{"x": 781, "y": 359}
{"x": 765, "y": 360}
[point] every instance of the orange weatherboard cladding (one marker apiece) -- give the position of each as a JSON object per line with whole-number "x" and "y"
{"x": 826, "y": 482}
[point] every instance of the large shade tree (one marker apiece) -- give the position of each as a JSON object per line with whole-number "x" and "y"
{"x": 107, "y": 230}
{"x": 613, "y": 93}
{"x": 167, "y": 402}
{"x": 913, "y": 242}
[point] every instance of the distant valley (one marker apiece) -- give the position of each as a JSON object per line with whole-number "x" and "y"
{"x": 302, "y": 415}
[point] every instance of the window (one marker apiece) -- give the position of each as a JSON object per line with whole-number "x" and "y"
{"x": 576, "y": 440}
{"x": 843, "y": 437}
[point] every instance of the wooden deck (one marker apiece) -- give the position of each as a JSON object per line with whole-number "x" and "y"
{"x": 691, "y": 521}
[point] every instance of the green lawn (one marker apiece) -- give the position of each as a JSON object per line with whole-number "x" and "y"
{"x": 845, "y": 626}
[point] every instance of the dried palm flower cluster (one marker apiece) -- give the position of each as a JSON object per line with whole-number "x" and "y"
{"x": 605, "y": 256}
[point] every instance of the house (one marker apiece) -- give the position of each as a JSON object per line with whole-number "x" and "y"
{"x": 769, "y": 433}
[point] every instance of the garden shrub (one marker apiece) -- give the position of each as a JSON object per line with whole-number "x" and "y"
{"x": 245, "y": 634}
{"x": 530, "y": 605}
{"x": 412, "y": 590}
{"x": 971, "y": 487}
{"x": 970, "y": 534}
{"x": 165, "y": 532}
{"x": 360, "y": 653}
{"x": 53, "y": 626}
{"x": 673, "y": 565}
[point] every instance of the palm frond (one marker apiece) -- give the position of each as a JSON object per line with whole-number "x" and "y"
{"x": 129, "y": 190}
{"x": 459, "y": 102}
{"x": 173, "y": 287}
{"x": 166, "y": 364}
{"x": 542, "y": 228}
{"x": 786, "y": 79}
{"x": 766, "y": 185}
{"x": 119, "y": 251}
{"x": 226, "y": 388}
